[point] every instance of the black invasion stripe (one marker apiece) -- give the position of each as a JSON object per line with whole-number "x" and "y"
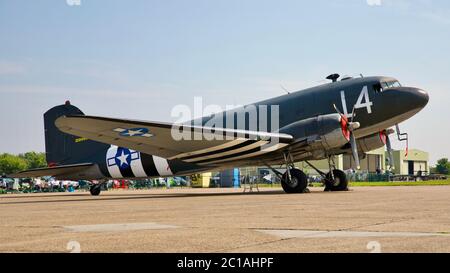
{"x": 257, "y": 149}
{"x": 149, "y": 165}
{"x": 234, "y": 147}
{"x": 104, "y": 169}
{"x": 127, "y": 172}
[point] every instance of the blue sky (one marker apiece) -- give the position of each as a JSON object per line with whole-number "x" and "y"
{"x": 138, "y": 59}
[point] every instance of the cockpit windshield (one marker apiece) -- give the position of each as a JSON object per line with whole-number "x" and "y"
{"x": 390, "y": 84}
{"x": 380, "y": 87}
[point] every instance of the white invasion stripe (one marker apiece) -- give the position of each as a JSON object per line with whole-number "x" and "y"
{"x": 113, "y": 169}
{"x": 219, "y": 147}
{"x": 246, "y": 148}
{"x": 136, "y": 165}
{"x": 162, "y": 166}
{"x": 264, "y": 151}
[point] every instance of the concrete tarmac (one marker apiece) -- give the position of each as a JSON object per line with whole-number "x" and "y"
{"x": 364, "y": 219}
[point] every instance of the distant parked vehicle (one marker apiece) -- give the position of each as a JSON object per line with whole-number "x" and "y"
{"x": 180, "y": 181}
{"x": 6, "y": 183}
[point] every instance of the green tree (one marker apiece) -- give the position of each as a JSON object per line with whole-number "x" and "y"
{"x": 433, "y": 170}
{"x": 443, "y": 166}
{"x": 10, "y": 164}
{"x": 34, "y": 160}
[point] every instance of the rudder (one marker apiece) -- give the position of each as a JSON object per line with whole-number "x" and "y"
{"x": 62, "y": 148}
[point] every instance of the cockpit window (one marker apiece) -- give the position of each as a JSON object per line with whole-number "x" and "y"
{"x": 380, "y": 87}
{"x": 391, "y": 84}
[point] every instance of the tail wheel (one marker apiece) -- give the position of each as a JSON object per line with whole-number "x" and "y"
{"x": 339, "y": 183}
{"x": 95, "y": 189}
{"x": 297, "y": 183}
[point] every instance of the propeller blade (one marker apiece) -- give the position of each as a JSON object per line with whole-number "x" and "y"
{"x": 354, "y": 150}
{"x": 353, "y": 114}
{"x": 337, "y": 110}
{"x": 351, "y": 126}
{"x": 389, "y": 150}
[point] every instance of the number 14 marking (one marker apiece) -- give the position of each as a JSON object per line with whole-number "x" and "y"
{"x": 362, "y": 102}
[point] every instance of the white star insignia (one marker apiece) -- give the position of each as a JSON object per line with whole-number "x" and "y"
{"x": 133, "y": 132}
{"x": 130, "y": 132}
{"x": 123, "y": 159}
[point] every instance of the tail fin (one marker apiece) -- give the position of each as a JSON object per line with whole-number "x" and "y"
{"x": 62, "y": 148}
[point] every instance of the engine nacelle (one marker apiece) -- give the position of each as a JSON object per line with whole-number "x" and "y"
{"x": 374, "y": 141}
{"x": 325, "y": 132}
{"x": 371, "y": 142}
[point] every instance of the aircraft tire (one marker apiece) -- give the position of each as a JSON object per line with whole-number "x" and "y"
{"x": 340, "y": 182}
{"x": 95, "y": 190}
{"x": 298, "y": 184}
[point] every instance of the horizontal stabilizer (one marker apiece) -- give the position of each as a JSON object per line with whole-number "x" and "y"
{"x": 69, "y": 172}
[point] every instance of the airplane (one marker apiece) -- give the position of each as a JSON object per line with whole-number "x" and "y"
{"x": 310, "y": 124}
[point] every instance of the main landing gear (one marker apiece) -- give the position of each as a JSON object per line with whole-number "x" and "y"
{"x": 334, "y": 180}
{"x": 293, "y": 180}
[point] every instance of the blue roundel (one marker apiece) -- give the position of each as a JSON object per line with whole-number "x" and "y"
{"x": 134, "y": 132}
{"x": 123, "y": 158}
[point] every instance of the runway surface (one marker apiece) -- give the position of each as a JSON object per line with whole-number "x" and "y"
{"x": 365, "y": 219}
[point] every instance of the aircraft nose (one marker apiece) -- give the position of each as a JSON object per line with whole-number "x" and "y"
{"x": 415, "y": 98}
{"x": 421, "y": 97}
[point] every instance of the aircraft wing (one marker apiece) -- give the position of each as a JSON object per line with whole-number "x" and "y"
{"x": 73, "y": 172}
{"x": 158, "y": 139}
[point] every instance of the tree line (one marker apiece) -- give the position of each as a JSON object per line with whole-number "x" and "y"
{"x": 10, "y": 163}
{"x": 442, "y": 166}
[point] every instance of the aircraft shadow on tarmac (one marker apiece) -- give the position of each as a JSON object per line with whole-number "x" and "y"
{"x": 60, "y": 197}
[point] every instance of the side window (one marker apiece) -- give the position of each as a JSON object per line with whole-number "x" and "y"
{"x": 377, "y": 88}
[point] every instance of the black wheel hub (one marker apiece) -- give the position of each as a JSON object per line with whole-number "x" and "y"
{"x": 293, "y": 182}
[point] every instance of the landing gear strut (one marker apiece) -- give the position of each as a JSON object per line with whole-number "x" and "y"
{"x": 293, "y": 180}
{"x": 334, "y": 180}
